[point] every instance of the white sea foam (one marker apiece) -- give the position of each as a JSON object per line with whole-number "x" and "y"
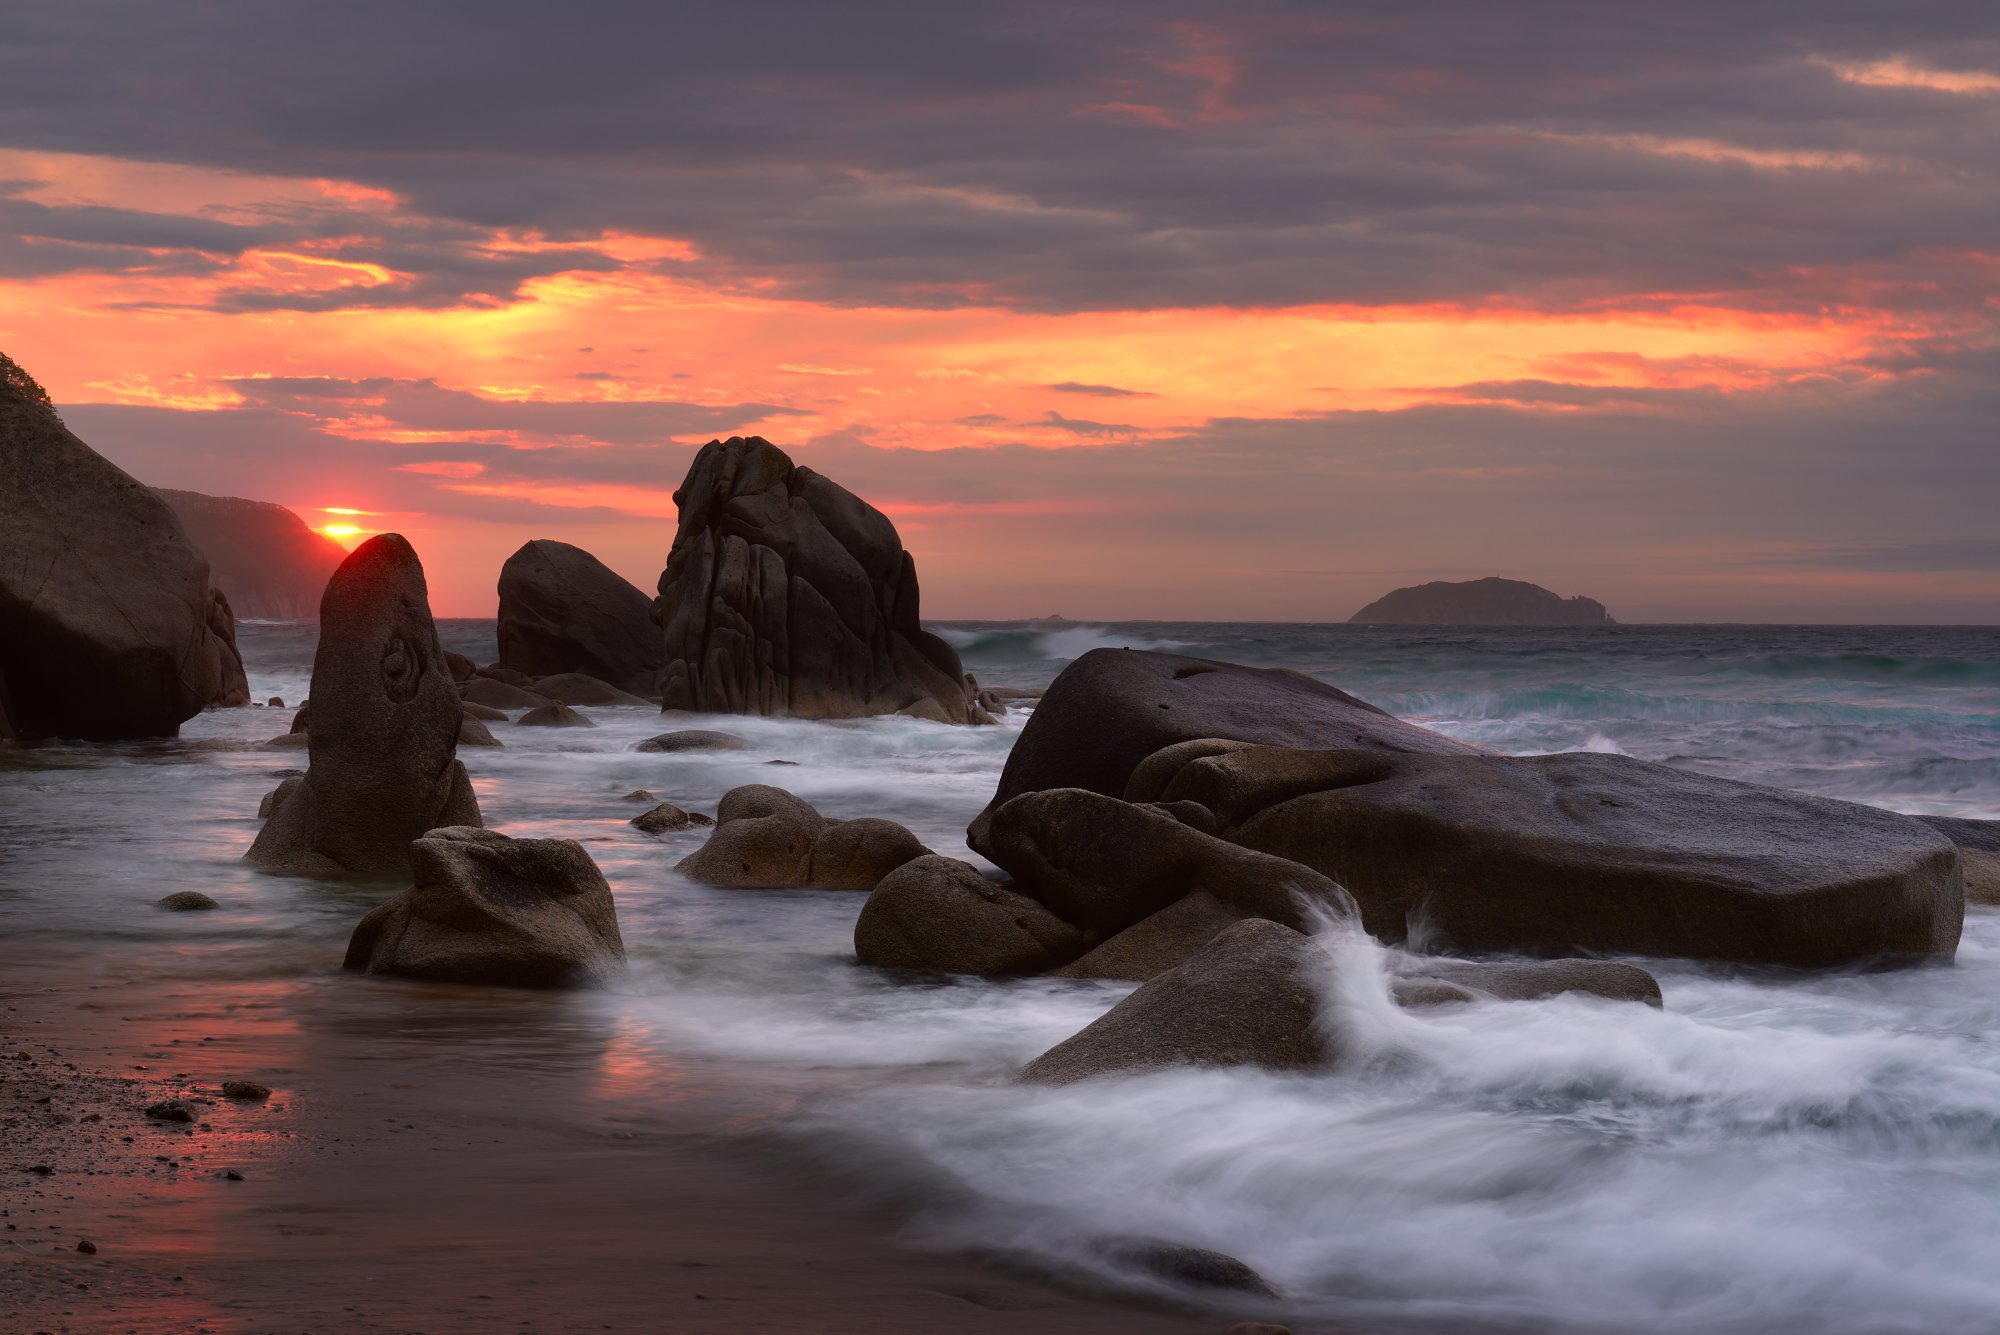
{"x": 1767, "y": 1154}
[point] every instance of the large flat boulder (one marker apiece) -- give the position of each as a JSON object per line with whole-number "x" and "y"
{"x": 1112, "y": 708}
{"x": 383, "y": 742}
{"x": 562, "y": 610}
{"x": 494, "y": 910}
{"x": 1550, "y": 855}
{"x": 787, "y": 594}
{"x": 107, "y": 624}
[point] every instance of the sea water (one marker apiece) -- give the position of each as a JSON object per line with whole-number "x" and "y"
{"x": 1769, "y": 1152}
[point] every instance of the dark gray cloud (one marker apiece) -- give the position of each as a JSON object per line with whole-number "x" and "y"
{"x": 424, "y": 405}
{"x": 1057, "y": 156}
{"x": 1101, "y": 391}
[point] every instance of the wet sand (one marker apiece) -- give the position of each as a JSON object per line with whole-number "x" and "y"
{"x": 408, "y": 1173}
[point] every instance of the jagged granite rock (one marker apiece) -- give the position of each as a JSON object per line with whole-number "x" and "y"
{"x": 489, "y": 909}
{"x": 234, "y": 685}
{"x": 106, "y": 618}
{"x": 563, "y": 610}
{"x": 786, "y": 594}
{"x": 1481, "y": 602}
{"x": 385, "y": 719}
{"x": 1560, "y": 854}
{"x": 1112, "y": 708}
{"x": 262, "y": 555}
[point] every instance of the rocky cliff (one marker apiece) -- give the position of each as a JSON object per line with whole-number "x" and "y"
{"x": 260, "y": 554}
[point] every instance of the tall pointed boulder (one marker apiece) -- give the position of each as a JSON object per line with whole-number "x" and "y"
{"x": 384, "y": 765}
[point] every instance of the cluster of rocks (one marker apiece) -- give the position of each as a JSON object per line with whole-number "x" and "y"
{"x": 109, "y": 628}
{"x": 767, "y": 839}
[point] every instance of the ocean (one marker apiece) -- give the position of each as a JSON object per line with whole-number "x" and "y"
{"x": 1771, "y": 1152}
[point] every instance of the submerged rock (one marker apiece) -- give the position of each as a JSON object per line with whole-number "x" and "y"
{"x": 574, "y": 688}
{"x": 1248, "y": 998}
{"x": 107, "y": 621}
{"x": 553, "y": 715}
{"x": 1531, "y": 980}
{"x": 1194, "y": 1267}
{"x": 662, "y": 818}
{"x": 471, "y": 732}
{"x": 564, "y": 611}
{"x": 183, "y": 901}
{"x": 500, "y": 695}
{"x": 787, "y": 594}
{"x": 939, "y": 914}
{"x": 694, "y": 739}
{"x": 767, "y": 839}
{"x": 493, "y": 910}
{"x": 385, "y": 722}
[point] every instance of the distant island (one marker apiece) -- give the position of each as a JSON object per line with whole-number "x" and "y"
{"x": 1481, "y": 602}
{"x": 264, "y": 558}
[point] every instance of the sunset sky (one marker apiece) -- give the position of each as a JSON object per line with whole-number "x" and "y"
{"x": 1143, "y": 310}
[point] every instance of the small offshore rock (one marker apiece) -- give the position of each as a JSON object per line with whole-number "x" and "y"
{"x": 1197, "y": 1266}
{"x": 694, "y": 739}
{"x": 485, "y": 690}
{"x": 233, "y": 1176}
{"x": 579, "y": 688}
{"x": 182, "y": 901}
{"x": 86, "y": 1246}
{"x": 276, "y": 702}
{"x": 662, "y": 818}
{"x": 247, "y": 1090}
{"x": 170, "y": 1110}
{"x": 555, "y": 714}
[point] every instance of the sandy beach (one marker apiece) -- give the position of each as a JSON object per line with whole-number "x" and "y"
{"x": 387, "y": 1187}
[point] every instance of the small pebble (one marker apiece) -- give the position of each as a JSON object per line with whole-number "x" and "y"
{"x": 233, "y": 1175}
{"x": 87, "y": 1247}
{"x": 170, "y": 1110}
